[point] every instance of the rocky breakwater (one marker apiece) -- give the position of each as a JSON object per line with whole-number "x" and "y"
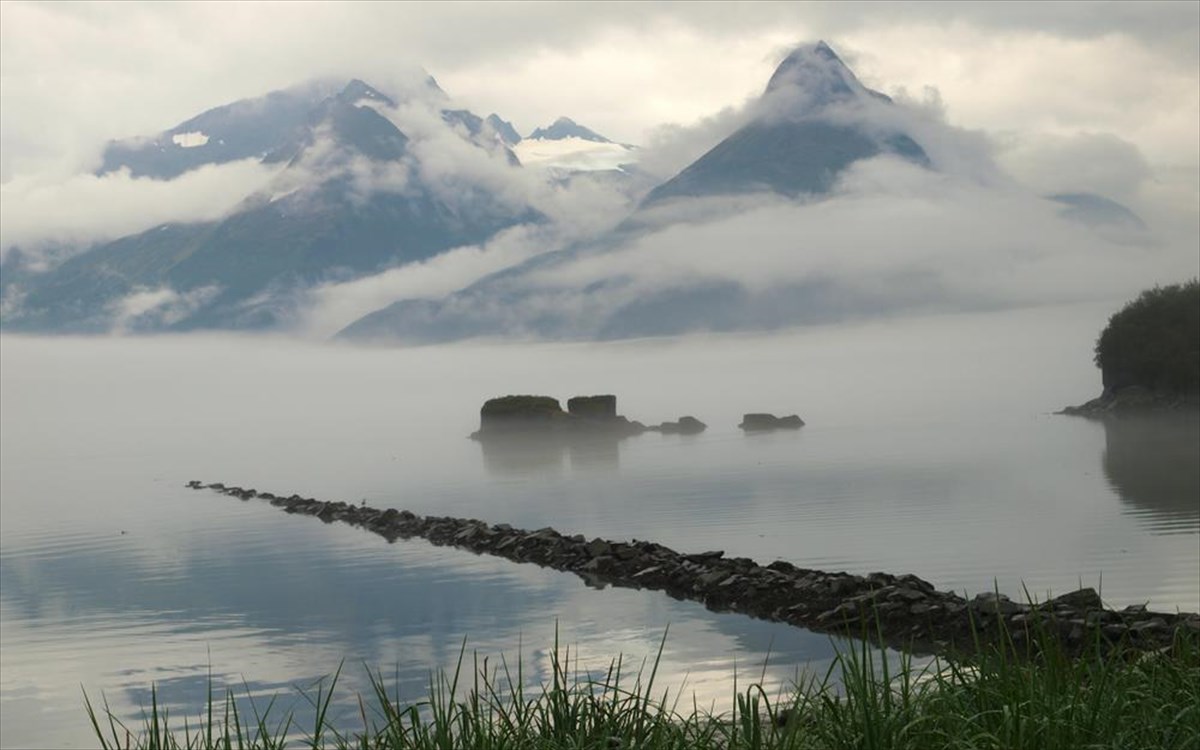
{"x": 902, "y": 611}
{"x": 542, "y": 416}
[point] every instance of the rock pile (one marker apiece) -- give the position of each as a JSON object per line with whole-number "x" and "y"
{"x": 903, "y": 611}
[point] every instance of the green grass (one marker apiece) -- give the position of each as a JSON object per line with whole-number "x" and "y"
{"x": 1007, "y": 697}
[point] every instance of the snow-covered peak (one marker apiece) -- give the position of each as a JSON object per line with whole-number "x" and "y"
{"x": 565, "y": 127}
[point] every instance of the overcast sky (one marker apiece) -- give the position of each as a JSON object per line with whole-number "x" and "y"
{"x": 75, "y": 75}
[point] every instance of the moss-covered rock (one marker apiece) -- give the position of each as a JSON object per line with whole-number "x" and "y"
{"x": 593, "y": 407}
{"x": 755, "y": 422}
{"x": 542, "y": 415}
{"x": 520, "y": 412}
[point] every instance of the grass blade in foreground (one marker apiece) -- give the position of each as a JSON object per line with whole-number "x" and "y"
{"x": 1010, "y": 697}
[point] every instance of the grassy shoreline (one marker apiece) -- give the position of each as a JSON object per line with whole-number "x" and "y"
{"x": 1005, "y": 696}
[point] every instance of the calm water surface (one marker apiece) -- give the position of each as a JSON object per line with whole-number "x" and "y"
{"x": 930, "y": 448}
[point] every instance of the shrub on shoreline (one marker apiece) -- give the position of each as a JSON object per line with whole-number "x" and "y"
{"x": 1154, "y": 342}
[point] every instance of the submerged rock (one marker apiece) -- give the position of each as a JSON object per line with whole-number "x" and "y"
{"x": 754, "y": 422}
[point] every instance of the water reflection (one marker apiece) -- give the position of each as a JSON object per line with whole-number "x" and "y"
{"x": 1153, "y": 463}
{"x": 282, "y": 603}
{"x": 520, "y": 454}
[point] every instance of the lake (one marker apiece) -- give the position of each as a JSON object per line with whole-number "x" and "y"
{"x": 930, "y": 448}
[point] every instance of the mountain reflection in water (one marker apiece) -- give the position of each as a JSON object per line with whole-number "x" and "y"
{"x": 1153, "y": 464}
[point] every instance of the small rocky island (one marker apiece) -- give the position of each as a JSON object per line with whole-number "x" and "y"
{"x": 763, "y": 422}
{"x": 543, "y": 416}
{"x": 1149, "y": 355}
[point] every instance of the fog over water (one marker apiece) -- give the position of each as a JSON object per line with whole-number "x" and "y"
{"x": 930, "y": 448}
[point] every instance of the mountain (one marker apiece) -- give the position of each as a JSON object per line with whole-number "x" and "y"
{"x": 805, "y": 129}
{"x": 570, "y": 152}
{"x": 350, "y": 198}
{"x": 565, "y": 127}
{"x": 480, "y": 132}
{"x": 1096, "y": 210}
{"x": 504, "y": 129}
{"x": 269, "y": 128}
{"x": 248, "y": 128}
{"x": 796, "y": 144}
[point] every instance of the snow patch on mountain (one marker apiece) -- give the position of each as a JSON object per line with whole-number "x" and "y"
{"x": 190, "y": 140}
{"x": 574, "y": 154}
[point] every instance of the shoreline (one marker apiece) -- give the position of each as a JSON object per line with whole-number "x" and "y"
{"x": 1134, "y": 401}
{"x": 904, "y": 612}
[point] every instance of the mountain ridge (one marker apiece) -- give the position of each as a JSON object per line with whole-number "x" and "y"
{"x": 348, "y": 200}
{"x": 565, "y": 127}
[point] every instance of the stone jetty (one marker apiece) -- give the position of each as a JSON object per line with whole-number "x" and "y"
{"x": 902, "y": 611}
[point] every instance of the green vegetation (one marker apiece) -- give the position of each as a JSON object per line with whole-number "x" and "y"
{"x": 1154, "y": 341}
{"x": 521, "y": 406}
{"x": 1008, "y": 698}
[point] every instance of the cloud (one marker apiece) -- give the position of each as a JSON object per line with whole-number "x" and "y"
{"x": 1037, "y": 82}
{"x": 150, "y": 309}
{"x": 328, "y": 308}
{"x": 892, "y": 238}
{"x": 473, "y": 174}
{"x": 1107, "y": 92}
{"x": 1095, "y": 162}
{"x": 84, "y": 209}
{"x": 470, "y": 180}
{"x": 671, "y": 147}
{"x": 78, "y": 75}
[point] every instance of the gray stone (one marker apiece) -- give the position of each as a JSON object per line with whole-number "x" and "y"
{"x": 1085, "y": 598}
{"x": 598, "y": 547}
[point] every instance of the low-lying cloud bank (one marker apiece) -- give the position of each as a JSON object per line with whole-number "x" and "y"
{"x": 893, "y": 238}
{"x": 85, "y": 209}
{"x": 975, "y": 230}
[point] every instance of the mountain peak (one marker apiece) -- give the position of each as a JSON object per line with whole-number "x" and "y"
{"x": 565, "y": 127}
{"x": 357, "y": 90}
{"x": 816, "y": 69}
{"x": 504, "y": 129}
{"x": 790, "y": 147}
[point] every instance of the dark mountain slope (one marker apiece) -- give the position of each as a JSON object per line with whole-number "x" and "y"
{"x": 794, "y": 145}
